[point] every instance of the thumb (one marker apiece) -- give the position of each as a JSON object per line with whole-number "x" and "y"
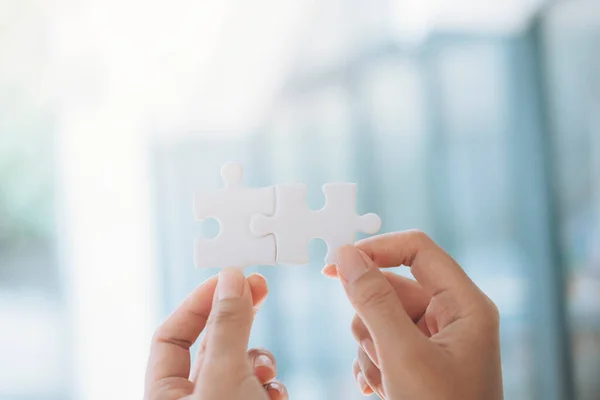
{"x": 230, "y": 320}
{"x": 376, "y": 302}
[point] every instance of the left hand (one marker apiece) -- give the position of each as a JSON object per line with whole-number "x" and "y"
{"x": 224, "y": 368}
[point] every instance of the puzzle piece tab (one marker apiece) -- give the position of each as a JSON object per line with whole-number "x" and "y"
{"x": 294, "y": 224}
{"x": 233, "y": 206}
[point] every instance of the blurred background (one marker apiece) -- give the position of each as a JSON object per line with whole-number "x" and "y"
{"x": 475, "y": 121}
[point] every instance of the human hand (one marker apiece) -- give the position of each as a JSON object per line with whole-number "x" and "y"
{"x": 224, "y": 306}
{"x": 433, "y": 338}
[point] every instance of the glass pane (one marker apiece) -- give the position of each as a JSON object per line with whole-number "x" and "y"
{"x": 475, "y": 187}
{"x": 439, "y": 134}
{"x": 572, "y": 39}
{"x": 429, "y": 143}
{"x": 35, "y": 352}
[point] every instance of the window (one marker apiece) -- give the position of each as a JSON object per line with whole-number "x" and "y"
{"x": 35, "y": 351}
{"x": 478, "y": 125}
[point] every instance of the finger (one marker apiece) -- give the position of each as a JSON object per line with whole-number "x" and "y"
{"x": 412, "y": 295}
{"x": 433, "y": 268}
{"x": 330, "y": 271}
{"x": 355, "y": 368}
{"x": 264, "y": 363}
{"x": 376, "y": 302}
{"x": 413, "y": 299}
{"x": 276, "y": 391}
{"x": 363, "y": 338}
{"x": 259, "y": 290}
{"x": 169, "y": 354}
{"x": 229, "y": 322}
{"x": 370, "y": 372}
{"x": 363, "y": 386}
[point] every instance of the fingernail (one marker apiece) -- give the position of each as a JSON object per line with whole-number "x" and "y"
{"x": 278, "y": 387}
{"x": 351, "y": 263}
{"x": 369, "y": 347}
{"x": 362, "y": 382}
{"x": 230, "y": 284}
{"x": 329, "y": 271}
{"x": 263, "y": 360}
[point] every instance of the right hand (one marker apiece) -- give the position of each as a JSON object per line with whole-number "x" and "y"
{"x": 436, "y": 338}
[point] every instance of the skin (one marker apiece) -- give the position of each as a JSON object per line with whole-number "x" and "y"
{"x": 223, "y": 308}
{"x": 433, "y": 338}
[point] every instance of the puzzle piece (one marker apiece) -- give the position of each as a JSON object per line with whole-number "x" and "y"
{"x": 294, "y": 224}
{"x": 233, "y": 207}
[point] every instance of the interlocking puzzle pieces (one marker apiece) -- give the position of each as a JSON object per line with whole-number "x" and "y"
{"x": 294, "y": 224}
{"x": 233, "y": 206}
{"x": 263, "y": 226}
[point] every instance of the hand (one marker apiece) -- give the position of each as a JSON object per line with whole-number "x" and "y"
{"x": 224, "y": 369}
{"x": 433, "y": 338}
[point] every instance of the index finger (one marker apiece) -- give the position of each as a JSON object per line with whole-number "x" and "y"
{"x": 170, "y": 351}
{"x": 431, "y": 266}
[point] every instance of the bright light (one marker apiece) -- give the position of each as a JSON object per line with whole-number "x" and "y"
{"x": 415, "y": 19}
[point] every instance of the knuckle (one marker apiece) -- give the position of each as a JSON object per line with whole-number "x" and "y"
{"x": 420, "y": 236}
{"x": 160, "y": 333}
{"x": 156, "y": 337}
{"x": 493, "y": 313}
{"x": 446, "y": 309}
{"x": 371, "y": 374}
{"x": 355, "y": 367}
{"x": 161, "y": 336}
{"x": 374, "y": 294}
{"x": 230, "y": 313}
{"x": 489, "y": 314}
{"x": 358, "y": 327}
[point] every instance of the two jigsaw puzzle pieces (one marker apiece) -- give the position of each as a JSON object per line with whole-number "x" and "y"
{"x": 265, "y": 226}
{"x": 294, "y": 224}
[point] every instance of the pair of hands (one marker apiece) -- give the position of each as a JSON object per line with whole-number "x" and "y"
{"x": 433, "y": 338}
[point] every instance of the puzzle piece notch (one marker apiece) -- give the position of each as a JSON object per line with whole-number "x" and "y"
{"x": 233, "y": 207}
{"x": 294, "y": 224}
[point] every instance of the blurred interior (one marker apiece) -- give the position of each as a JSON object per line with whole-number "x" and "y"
{"x": 475, "y": 121}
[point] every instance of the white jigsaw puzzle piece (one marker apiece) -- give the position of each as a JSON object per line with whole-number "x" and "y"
{"x": 295, "y": 225}
{"x": 233, "y": 207}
